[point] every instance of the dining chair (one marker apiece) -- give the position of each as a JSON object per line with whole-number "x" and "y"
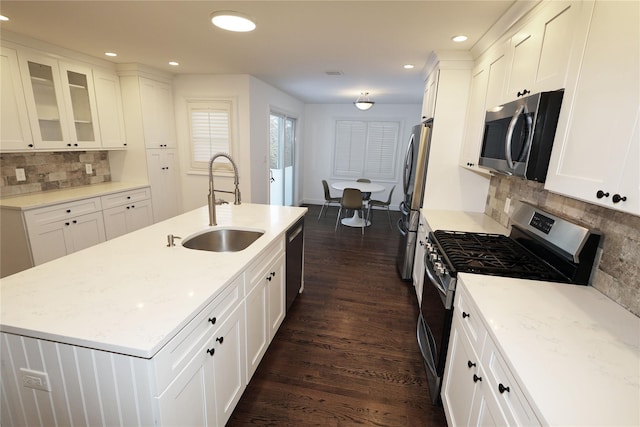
{"x": 328, "y": 199}
{"x": 381, "y": 204}
{"x": 367, "y": 195}
{"x": 351, "y": 199}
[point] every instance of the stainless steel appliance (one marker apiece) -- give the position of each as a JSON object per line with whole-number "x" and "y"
{"x": 294, "y": 261}
{"x": 540, "y": 246}
{"x": 518, "y": 136}
{"x": 413, "y": 182}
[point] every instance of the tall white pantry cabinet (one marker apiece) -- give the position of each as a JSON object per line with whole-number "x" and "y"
{"x": 148, "y": 104}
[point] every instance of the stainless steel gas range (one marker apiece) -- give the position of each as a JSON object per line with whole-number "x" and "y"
{"x": 540, "y": 246}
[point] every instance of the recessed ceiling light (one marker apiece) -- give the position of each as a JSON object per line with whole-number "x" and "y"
{"x": 110, "y": 54}
{"x": 174, "y": 63}
{"x": 459, "y": 39}
{"x": 408, "y": 66}
{"x": 3, "y": 18}
{"x": 232, "y": 21}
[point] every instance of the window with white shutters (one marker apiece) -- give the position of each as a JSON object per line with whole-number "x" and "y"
{"x": 210, "y": 127}
{"x": 366, "y": 149}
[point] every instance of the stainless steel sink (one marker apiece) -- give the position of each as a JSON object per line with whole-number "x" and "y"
{"x": 223, "y": 240}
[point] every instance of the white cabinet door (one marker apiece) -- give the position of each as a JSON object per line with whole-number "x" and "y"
{"x": 53, "y": 240}
{"x": 110, "y": 110}
{"x": 157, "y": 114}
{"x": 229, "y": 362}
{"x": 539, "y": 52}
{"x": 418, "y": 262}
{"x": 474, "y": 125}
{"x": 14, "y": 122}
{"x": 595, "y": 154}
{"x": 124, "y": 219}
{"x": 80, "y": 101}
{"x": 458, "y": 386}
{"x": 497, "y": 72}
{"x": 45, "y": 102}
{"x": 162, "y": 167}
{"x": 429, "y": 99}
{"x": 276, "y": 294}
{"x": 257, "y": 331}
{"x": 190, "y": 399}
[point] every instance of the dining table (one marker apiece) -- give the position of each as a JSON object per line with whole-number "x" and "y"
{"x": 365, "y": 187}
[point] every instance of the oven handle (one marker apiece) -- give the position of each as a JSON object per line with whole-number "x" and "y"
{"x": 432, "y": 276}
{"x": 429, "y": 358}
{"x": 401, "y": 229}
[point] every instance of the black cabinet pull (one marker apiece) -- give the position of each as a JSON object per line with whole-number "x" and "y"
{"x": 211, "y": 351}
{"x": 617, "y": 198}
{"x": 128, "y": 207}
{"x": 220, "y": 339}
{"x": 213, "y": 320}
{"x": 68, "y": 210}
{"x": 273, "y": 274}
{"x": 66, "y": 223}
{"x": 600, "y": 194}
{"x": 465, "y": 314}
{"x": 502, "y": 388}
{"x": 269, "y": 278}
{"x": 128, "y": 197}
{"x": 470, "y": 364}
{"x": 30, "y": 145}
{"x": 523, "y": 93}
{"x": 476, "y": 378}
{"x": 74, "y": 221}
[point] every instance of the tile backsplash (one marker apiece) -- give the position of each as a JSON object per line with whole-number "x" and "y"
{"x": 618, "y": 274}
{"x": 50, "y": 171}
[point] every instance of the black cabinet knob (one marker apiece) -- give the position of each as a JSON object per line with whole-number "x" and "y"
{"x": 470, "y": 364}
{"x": 600, "y": 194}
{"x": 66, "y": 223}
{"x": 128, "y": 207}
{"x": 213, "y": 320}
{"x": 220, "y": 339}
{"x": 618, "y": 198}
{"x": 211, "y": 351}
{"x": 269, "y": 278}
{"x": 465, "y": 314}
{"x": 30, "y": 145}
{"x": 523, "y": 93}
{"x": 502, "y": 388}
{"x": 74, "y": 221}
{"x": 68, "y": 210}
{"x": 476, "y": 378}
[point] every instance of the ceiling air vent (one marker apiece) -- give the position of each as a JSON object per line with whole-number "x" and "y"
{"x": 334, "y": 73}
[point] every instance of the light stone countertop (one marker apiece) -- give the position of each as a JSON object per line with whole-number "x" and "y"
{"x": 132, "y": 294}
{"x": 574, "y": 352}
{"x": 476, "y": 222}
{"x": 52, "y": 197}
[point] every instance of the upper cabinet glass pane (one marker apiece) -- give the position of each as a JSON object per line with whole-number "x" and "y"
{"x": 78, "y": 88}
{"x": 44, "y": 94}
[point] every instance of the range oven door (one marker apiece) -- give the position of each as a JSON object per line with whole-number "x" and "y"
{"x": 434, "y": 327}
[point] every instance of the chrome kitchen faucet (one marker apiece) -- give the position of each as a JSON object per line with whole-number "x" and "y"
{"x": 211, "y": 199}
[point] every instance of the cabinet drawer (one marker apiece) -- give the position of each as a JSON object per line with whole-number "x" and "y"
{"x": 470, "y": 319}
{"x": 119, "y": 199}
{"x": 510, "y": 398}
{"x": 62, "y": 211}
{"x": 256, "y": 271}
{"x": 173, "y": 357}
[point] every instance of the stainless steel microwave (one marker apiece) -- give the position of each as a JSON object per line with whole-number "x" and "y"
{"x": 518, "y": 136}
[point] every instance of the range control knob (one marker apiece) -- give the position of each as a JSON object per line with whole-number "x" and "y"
{"x": 434, "y": 257}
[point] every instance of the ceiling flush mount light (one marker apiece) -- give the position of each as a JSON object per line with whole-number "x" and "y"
{"x": 459, "y": 39}
{"x": 232, "y": 21}
{"x": 408, "y": 66}
{"x": 112, "y": 54}
{"x": 3, "y": 18}
{"x": 363, "y": 103}
{"x": 174, "y": 63}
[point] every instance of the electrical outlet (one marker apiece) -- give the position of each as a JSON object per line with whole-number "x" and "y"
{"x": 20, "y": 176}
{"x": 88, "y": 168}
{"x": 35, "y": 379}
{"x": 507, "y": 205}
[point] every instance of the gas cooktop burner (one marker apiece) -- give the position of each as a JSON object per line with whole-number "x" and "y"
{"x": 493, "y": 254}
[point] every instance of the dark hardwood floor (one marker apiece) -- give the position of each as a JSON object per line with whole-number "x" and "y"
{"x": 346, "y": 353}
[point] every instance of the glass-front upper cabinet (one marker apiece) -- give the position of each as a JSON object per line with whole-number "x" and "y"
{"x": 81, "y": 106}
{"x": 60, "y": 102}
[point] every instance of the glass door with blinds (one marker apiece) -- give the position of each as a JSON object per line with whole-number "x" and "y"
{"x": 282, "y": 133}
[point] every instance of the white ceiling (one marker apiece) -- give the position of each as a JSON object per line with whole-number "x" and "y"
{"x": 294, "y": 45}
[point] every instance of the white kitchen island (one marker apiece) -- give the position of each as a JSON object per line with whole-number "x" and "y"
{"x": 122, "y": 328}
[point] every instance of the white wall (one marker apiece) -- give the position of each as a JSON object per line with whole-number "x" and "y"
{"x": 319, "y": 134}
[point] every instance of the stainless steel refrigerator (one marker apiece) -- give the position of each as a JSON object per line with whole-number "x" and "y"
{"x": 414, "y": 177}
